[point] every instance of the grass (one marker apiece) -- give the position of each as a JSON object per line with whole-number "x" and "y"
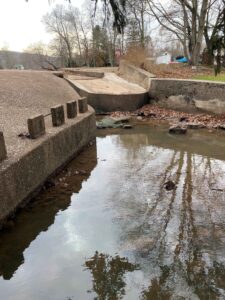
{"x": 220, "y": 77}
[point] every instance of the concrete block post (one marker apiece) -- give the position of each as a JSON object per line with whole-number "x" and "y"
{"x": 83, "y": 106}
{"x": 71, "y": 109}
{"x": 36, "y": 126}
{"x": 3, "y": 152}
{"x": 58, "y": 116}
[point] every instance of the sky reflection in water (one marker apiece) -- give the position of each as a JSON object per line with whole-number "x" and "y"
{"x": 122, "y": 235}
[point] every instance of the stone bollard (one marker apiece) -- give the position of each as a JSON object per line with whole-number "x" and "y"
{"x": 58, "y": 116}
{"x": 71, "y": 109}
{"x": 3, "y": 152}
{"x": 83, "y": 106}
{"x": 36, "y": 126}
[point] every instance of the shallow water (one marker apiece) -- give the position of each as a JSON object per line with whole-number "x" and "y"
{"x": 112, "y": 231}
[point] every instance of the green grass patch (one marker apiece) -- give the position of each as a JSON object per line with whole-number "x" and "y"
{"x": 220, "y": 77}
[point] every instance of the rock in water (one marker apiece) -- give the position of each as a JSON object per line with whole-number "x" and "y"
{"x": 127, "y": 126}
{"x": 178, "y": 129}
{"x": 170, "y": 185}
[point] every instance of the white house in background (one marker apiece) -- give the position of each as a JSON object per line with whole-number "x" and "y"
{"x": 164, "y": 59}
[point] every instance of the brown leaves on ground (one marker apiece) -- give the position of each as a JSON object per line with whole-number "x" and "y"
{"x": 181, "y": 71}
{"x": 158, "y": 113}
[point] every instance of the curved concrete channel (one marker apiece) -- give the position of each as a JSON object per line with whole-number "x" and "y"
{"x": 108, "y": 93}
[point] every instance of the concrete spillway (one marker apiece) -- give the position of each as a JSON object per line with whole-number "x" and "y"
{"x": 109, "y": 93}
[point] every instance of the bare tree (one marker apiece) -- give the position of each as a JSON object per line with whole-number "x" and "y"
{"x": 57, "y": 23}
{"x": 185, "y": 19}
{"x": 43, "y": 56}
{"x": 136, "y": 12}
{"x": 214, "y": 31}
{"x": 73, "y": 16}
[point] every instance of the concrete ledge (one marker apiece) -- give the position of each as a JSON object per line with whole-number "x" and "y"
{"x": 135, "y": 75}
{"x": 20, "y": 178}
{"x": 189, "y": 95}
{"x": 70, "y": 71}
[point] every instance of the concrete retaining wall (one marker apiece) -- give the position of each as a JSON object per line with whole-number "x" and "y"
{"x": 20, "y": 178}
{"x": 135, "y": 75}
{"x": 189, "y": 95}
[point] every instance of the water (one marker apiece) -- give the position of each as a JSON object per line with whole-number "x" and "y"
{"x": 114, "y": 232}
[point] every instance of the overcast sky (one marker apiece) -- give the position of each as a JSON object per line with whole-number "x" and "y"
{"x": 20, "y": 22}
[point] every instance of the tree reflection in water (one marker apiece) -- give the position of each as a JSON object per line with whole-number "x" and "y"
{"x": 108, "y": 275}
{"x": 177, "y": 237}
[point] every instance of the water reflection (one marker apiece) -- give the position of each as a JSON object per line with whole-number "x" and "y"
{"x": 108, "y": 275}
{"x": 39, "y": 215}
{"x": 176, "y": 238}
{"x": 180, "y": 233}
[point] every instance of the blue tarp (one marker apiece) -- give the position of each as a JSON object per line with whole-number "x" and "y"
{"x": 182, "y": 60}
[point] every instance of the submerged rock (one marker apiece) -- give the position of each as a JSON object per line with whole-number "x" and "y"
{"x": 127, "y": 126}
{"x": 108, "y": 123}
{"x": 170, "y": 185}
{"x": 178, "y": 129}
{"x": 115, "y": 122}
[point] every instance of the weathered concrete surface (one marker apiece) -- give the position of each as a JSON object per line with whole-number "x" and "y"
{"x": 36, "y": 126}
{"x": 24, "y": 94}
{"x": 21, "y": 177}
{"x": 189, "y": 95}
{"x": 83, "y": 105}
{"x": 135, "y": 75}
{"x": 31, "y": 162}
{"x": 58, "y": 115}
{"x": 71, "y": 108}
{"x": 3, "y": 152}
{"x": 110, "y": 93}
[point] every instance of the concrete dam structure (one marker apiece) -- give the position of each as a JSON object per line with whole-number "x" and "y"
{"x": 45, "y": 119}
{"x": 108, "y": 92}
{"x": 44, "y": 124}
{"x": 128, "y": 88}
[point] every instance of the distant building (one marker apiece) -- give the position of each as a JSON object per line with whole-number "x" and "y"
{"x": 19, "y": 67}
{"x": 166, "y": 58}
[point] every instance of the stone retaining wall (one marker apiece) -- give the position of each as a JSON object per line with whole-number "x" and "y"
{"x": 189, "y": 95}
